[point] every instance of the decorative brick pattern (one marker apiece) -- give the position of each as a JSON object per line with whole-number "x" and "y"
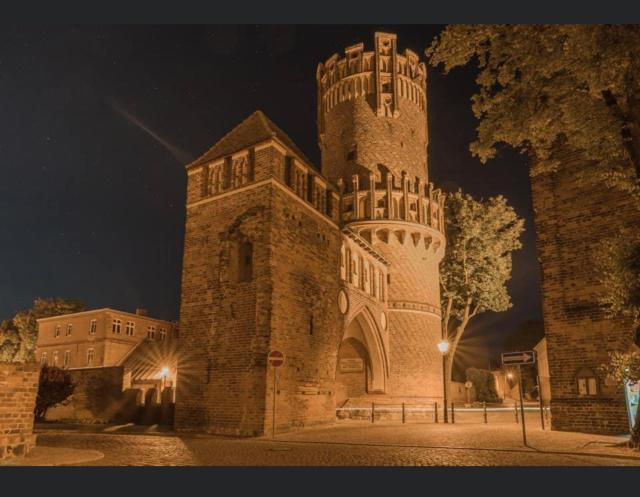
{"x": 18, "y": 390}
{"x": 329, "y": 253}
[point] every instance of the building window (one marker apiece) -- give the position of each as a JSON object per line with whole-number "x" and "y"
{"x": 242, "y": 262}
{"x": 163, "y": 333}
{"x": 89, "y": 357}
{"x": 343, "y": 266}
{"x": 151, "y": 332}
{"x": 93, "y": 327}
{"x": 116, "y": 324}
{"x": 310, "y": 325}
{"x": 43, "y": 359}
{"x": 56, "y": 332}
{"x": 65, "y": 362}
{"x": 130, "y": 329}
{"x": 587, "y": 382}
{"x": 69, "y": 329}
{"x": 54, "y": 358}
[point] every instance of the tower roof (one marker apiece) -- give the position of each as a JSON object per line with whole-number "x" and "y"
{"x": 253, "y": 130}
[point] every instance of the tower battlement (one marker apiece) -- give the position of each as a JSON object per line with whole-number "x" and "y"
{"x": 382, "y": 73}
{"x": 372, "y": 112}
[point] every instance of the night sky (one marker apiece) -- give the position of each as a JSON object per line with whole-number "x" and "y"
{"x": 96, "y": 124}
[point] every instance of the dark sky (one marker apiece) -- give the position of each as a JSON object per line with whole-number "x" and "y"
{"x": 92, "y": 205}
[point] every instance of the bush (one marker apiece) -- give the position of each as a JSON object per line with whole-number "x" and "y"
{"x": 484, "y": 383}
{"x": 54, "y": 388}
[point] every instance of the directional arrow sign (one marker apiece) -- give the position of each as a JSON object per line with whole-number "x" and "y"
{"x": 525, "y": 357}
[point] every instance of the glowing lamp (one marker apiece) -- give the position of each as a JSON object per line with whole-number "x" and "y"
{"x": 165, "y": 372}
{"x": 443, "y": 346}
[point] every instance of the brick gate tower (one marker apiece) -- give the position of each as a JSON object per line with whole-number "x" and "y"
{"x": 337, "y": 269}
{"x": 372, "y": 131}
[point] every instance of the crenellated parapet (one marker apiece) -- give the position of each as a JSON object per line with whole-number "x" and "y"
{"x": 400, "y": 199}
{"x": 382, "y": 73}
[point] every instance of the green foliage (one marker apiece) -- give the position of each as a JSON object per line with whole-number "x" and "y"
{"x": 619, "y": 267}
{"x": 54, "y": 388}
{"x": 544, "y": 85}
{"x": 481, "y": 236}
{"x": 9, "y": 341}
{"x": 484, "y": 384}
{"x": 19, "y": 337}
{"x": 625, "y": 368}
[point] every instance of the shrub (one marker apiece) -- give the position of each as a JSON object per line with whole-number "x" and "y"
{"x": 54, "y": 388}
{"x": 484, "y": 383}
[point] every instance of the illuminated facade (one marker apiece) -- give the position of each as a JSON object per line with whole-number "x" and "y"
{"x": 338, "y": 269}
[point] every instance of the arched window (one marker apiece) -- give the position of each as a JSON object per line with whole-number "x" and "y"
{"x": 343, "y": 266}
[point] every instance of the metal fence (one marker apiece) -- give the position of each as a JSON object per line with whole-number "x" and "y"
{"x": 434, "y": 413}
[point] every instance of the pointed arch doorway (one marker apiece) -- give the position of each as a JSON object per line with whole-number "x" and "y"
{"x": 362, "y": 362}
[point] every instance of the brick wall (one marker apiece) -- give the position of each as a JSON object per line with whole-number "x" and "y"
{"x": 18, "y": 390}
{"x": 224, "y": 324}
{"x": 399, "y": 143}
{"x": 573, "y": 218}
{"x": 305, "y": 262}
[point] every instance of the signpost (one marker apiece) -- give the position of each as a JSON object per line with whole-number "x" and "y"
{"x": 518, "y": 359}
{"x": 275, "y": 359}
{"x": 468, "y": 385}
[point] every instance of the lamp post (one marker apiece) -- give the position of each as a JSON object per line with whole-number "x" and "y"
{"x": 443, "y": 347}
{"x": 164, "y": 373}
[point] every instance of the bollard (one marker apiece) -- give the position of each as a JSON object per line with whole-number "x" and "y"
{"x": 515, "y": 410}
{"x": 373, "y": 411}
{"x": 453, "y": 414}
{"x": 484, "y": 408}
{"x": 403, "y": 412}
{"x": 542, "y": 413}
{"x": 435, "y": 412}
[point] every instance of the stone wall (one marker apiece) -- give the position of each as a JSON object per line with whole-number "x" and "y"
{"x": 97, "y": 397}
{"x": 573, "y": 220}
{"x": 18, "y": 391}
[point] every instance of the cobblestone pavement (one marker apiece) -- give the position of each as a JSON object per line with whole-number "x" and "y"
{"x": 356, "y": 444}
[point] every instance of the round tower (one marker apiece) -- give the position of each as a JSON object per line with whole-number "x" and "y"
{"x": 372, "y": 131}
{"x": 372, "y": 112}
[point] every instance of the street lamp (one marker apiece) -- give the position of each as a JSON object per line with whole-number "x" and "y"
{"x": 443, "y": 347}
{"x": 164, "y": 372}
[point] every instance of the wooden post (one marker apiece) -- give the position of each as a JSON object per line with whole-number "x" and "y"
{"x": 373, "y": 411}
{"x": 453, "y": 414}
{"x": 435, "y": 412}
{"x": 403, "y": 413}
{"x": 484, "y": 408}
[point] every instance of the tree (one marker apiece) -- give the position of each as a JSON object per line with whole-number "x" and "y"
{"x": 481, "y": 236}
{"x": 24, "y": 334}
{"x": 9, "y": 341}
{"x": 484, "y": 383}
{"x": 625, "y": 368}
{"x": 545, "y": 85}
{"x": 619, "y": 269}
{"x": 54, "y": 388}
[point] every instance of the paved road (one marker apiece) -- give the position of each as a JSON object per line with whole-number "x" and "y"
{"x": 349, "y": 444}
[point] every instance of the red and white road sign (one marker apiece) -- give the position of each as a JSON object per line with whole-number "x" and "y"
{"x": 276, "y": 358}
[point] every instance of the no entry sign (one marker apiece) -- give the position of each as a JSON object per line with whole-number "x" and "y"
{"x": 276, "y": 358}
